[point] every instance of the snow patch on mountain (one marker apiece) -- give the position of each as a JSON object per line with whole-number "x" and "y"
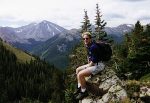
{"x": 49, "y": 28}
{"x": 17, "y": 31}
{"x": 55, "y": 28}
{"x": 130, "y": 25}
{"x": 62, "y": 47}
{"x": 69, "y": 38}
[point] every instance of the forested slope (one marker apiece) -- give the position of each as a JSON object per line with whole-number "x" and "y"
{"x": 32, "y": 81}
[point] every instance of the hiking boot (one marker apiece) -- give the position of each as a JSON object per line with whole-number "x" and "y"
{"x": 78, "y": 90}
{"x": 81, "y": 95}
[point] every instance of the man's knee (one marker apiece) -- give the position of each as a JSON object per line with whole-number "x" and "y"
{"x": 78, "y": 69}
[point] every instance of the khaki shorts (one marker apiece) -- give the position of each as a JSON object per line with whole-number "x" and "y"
{"x": 94, "y": 69}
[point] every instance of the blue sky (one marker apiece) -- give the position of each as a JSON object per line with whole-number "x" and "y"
{"x": 70, "y": 13}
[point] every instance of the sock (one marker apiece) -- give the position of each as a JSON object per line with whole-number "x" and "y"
{"x": 83, "y": 89}
{"x": 79, "y": 85}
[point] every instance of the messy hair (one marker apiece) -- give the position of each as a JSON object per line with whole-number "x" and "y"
{"x": 87, "y": 33}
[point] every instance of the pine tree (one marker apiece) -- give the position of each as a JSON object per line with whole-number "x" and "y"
{"x": 137, "y": 58}
{"x": 136, "y": 37}
{"x": 86, "y": 23}
{"x": 146, "y": 35}
{"x": 143, "y": 50}
{"x": 99, "y": 25}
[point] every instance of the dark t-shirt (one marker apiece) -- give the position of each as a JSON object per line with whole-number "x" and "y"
{"x": 93, "y": 53}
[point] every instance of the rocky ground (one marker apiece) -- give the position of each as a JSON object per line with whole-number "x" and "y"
{"x": 106, "y": 87}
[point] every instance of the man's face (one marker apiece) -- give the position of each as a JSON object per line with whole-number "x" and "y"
{"x": 86, "y": 39}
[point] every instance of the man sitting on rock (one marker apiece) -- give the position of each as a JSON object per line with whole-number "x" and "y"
{"x": 93, "y": 67}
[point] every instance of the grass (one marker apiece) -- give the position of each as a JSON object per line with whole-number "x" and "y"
{"x": 21, "y": 56}
{"x": 146, "y": 78}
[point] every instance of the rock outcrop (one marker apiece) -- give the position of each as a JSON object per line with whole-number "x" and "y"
{"x": 104, "y": 87}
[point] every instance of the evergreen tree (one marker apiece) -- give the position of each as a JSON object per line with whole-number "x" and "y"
{"x": 139, "y": 57}
{"x": 99, "y": 25}
{"x": 86, "y": 23}
{"x": 135, "y": 59}
{"x": 136, "y": 38}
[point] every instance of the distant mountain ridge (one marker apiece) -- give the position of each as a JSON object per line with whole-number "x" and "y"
{"x": 37, "y": 31}
{"x": 28, "y": 36}
{"x": 117, "y": 33}
{"x": 50, "y": 41}
{"x": 57, "y": 49}
{"x": 121, "y": 29}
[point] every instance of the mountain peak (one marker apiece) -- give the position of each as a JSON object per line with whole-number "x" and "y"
{"x": 41, "y": 31}
{"x": 125, "y": 25}
{"x": 45, "y": 21}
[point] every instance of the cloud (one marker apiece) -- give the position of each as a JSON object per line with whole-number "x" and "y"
{"x": 115, "y": 16}
{"x": 70, "y": 13}
{"x": 144, "y": 18}
{"x": 12, "y": 22}
{"x": 62, "y": 12}
{"x": 134, "y": 0}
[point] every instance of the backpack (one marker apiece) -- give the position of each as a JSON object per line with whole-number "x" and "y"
{"x": 104, "y": 51}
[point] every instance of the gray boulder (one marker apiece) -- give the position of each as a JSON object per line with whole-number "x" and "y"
{"x": 104, "y": 87}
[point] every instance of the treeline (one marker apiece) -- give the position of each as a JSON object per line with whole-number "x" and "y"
{"x": 35, "y": 81}
{"x": 132, "y": 57}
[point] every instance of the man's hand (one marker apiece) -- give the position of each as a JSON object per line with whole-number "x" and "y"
{"x": 90, "y": 64}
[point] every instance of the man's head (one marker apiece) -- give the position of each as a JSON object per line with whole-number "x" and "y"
{"x": 87, "y": 38}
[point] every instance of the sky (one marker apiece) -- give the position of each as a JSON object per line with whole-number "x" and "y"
{"x": 70, "y": 13}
